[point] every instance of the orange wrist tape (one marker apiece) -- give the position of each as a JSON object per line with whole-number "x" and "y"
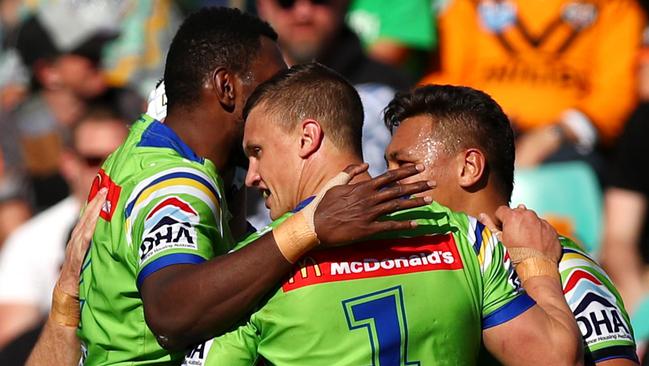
{"x": 295, "y": 237}
{"x": 65, "y": 308}
{"x": 535, "y": 267}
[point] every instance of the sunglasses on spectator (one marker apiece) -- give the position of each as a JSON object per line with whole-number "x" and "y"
{"x": 92, "y": 160}
{"x": 288, "y": 4}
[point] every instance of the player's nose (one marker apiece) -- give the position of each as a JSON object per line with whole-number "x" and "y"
{"x": 252, "y": 176}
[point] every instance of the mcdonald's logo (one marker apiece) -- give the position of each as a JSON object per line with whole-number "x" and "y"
{"x": 376, "y": 259}
{"x": 304, "y": 265}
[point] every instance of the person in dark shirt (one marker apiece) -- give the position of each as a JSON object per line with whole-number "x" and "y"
{"x": 625, "y": 250}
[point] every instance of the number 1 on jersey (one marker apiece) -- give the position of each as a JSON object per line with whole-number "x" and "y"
{"x": 383, "y": 315}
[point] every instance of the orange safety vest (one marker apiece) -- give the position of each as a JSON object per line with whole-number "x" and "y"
{"x": 538, "y": 58}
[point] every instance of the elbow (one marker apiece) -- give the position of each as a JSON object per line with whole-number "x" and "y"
{"x": 169, "y": 343}
{"x": 170, "y": 330}
{"x": 570, "y": 349}
{"x": 573, "y": 356}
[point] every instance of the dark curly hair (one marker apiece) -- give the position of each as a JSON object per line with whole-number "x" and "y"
{"x": 208, "y": 39}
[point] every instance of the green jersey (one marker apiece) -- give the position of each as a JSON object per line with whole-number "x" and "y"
{"x": 597, "y": 306}
{"x": 416, "y": 297}
{"x": 164, "y": 206}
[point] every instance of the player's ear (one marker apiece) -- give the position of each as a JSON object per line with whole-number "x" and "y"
{"x": 311, "y": 136}
{"x": 472, "y": 170}
{"x": 222, "y": 84}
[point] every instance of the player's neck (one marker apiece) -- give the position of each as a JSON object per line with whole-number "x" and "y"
{"x": 200, "y": 135}
{"x": 320, "y": 170}
{"x": 484, "y": 201}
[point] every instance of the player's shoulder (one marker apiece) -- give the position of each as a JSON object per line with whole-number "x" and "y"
{"x": 153, "y": 146}
{"x": 184, "y": 183}
{"x": 574, "y": 255}
{"x": 155, "y": 158}
{"x": 596, "y": 304}
{"x": 583, "y": 277}
{"x": 432, "y": 214}
{"x": 436, "y": 219}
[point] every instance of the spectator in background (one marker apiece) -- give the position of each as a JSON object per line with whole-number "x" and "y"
{"x": 315, "y": 30}
{"x": 398, "y": 33}
{"x": 625, "y": 249}
{"x": 136, "y": 58}
{"x": 30, "y": 260}
{"x": 563, "y": 70}
{"x": 14, "y": 208}
{"x": 13, "y": 77}
{"x": 62, "y": 48}
{"x": 14, "y": 205}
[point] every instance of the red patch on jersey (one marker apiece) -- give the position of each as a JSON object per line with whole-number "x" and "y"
{"x": 376, "y": 259}
{"x": 172, "y": 201}
{"x": 577, "y": 276}
{"x": 103, "y": 180}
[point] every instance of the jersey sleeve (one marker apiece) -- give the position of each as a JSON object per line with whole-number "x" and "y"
{"x": 597, "y": 306}
{"x": 503, "y": 297}
{"x": 235, "y": 348}
{"x": 174, "y": 217}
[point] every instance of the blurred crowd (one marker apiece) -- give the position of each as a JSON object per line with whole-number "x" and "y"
{"x": 572, "y": 75}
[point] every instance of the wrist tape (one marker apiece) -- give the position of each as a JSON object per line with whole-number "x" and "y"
{"x": 65, "y": 308}
{"x": 530, "y": 263}
{"x": 296, "y": 235}
{"x": 536, "y": 267}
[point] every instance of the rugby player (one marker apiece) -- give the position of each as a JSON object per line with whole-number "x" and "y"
{"x": 419, "y": 296}
{"x": 471, "y": 156}
{"x": 156, "y": 277}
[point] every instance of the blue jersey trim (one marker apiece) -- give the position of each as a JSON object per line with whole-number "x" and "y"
{"x": 509, "y": 311}
{"x": 303, "y": 204}
{"x": 610, "y": 353}
{"x": 479, "y": 228}
{"x": 160, "y": 135}
{"x": 166, "y": 261}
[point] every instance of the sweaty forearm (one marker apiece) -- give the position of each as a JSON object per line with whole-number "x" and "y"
{"x": 559, "y": 334}
{"x": 57, "y": 345}
{"x": 188, "y": 303}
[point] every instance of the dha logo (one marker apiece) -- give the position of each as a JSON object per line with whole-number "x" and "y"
{"x": 197, "y": 355}
{"x": 599, "y": 320}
